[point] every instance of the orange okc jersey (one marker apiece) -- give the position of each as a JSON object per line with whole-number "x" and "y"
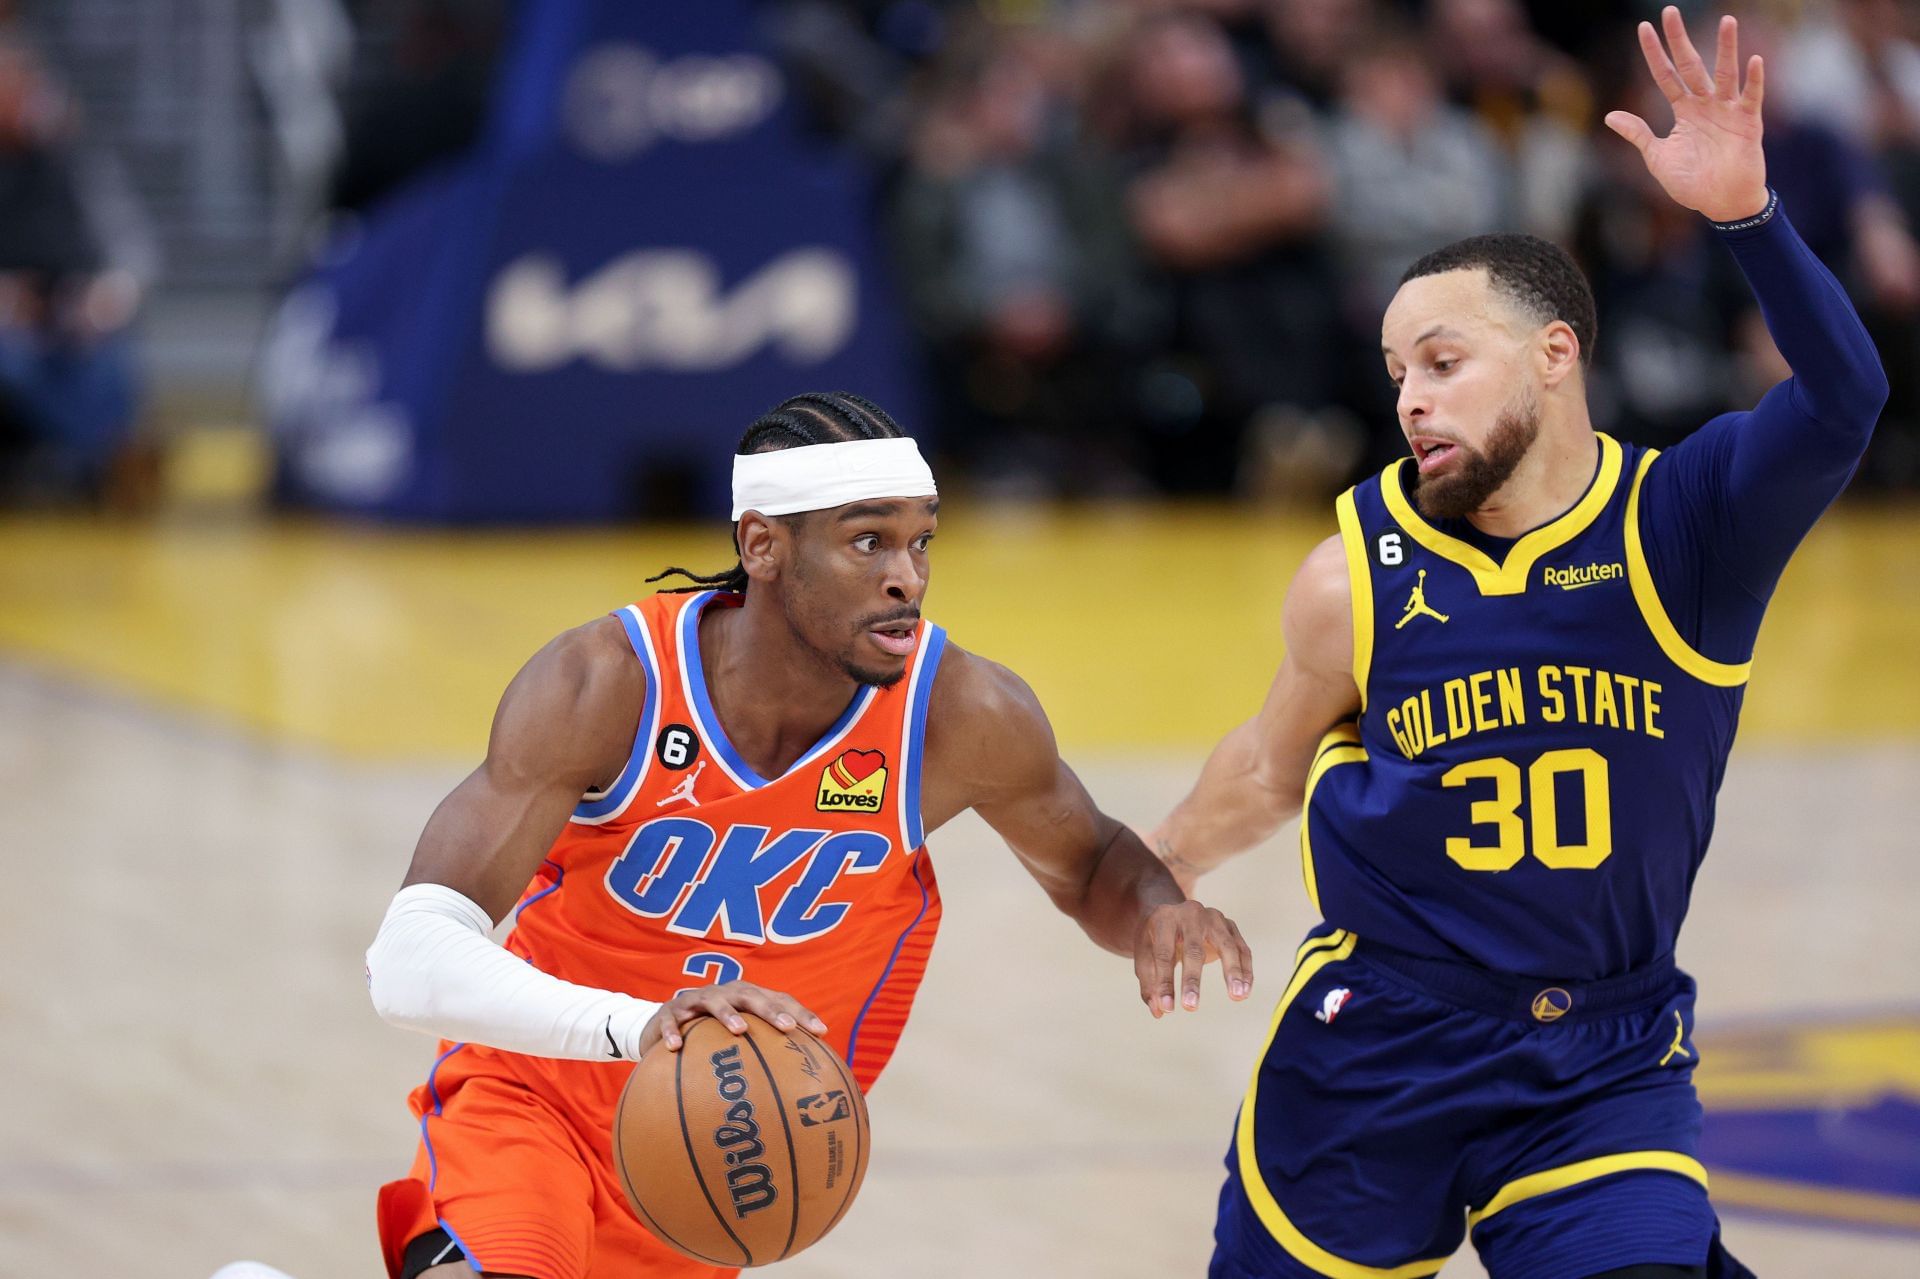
{"x": 689, "y": 869}
{"x": 693, "y": 869}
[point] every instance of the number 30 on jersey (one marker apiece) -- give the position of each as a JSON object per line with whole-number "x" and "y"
{"x": 1540, "y": 834}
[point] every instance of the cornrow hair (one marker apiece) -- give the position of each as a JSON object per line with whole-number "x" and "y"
{"x": 812, "y": 417}
{"x": 1536, "y": 274}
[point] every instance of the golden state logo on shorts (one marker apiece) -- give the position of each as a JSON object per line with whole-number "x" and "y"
{"x": 856, "y": 782}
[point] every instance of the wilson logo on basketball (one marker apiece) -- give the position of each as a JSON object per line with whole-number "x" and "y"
{"x": 749, "y": 1183}
{"x": 857, "y": 781}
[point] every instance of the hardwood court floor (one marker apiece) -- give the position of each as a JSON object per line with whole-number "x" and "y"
{"x": 217, "y": 745}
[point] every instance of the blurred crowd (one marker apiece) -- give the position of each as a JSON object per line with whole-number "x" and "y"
{"x": 71, "y": 278}
{"x": 1146, "y": 243}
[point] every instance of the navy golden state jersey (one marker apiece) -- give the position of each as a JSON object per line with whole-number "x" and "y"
{"x": 1530, "y": 784}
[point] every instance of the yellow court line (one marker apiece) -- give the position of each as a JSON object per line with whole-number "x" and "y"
{"x": 1862, "y": 1207}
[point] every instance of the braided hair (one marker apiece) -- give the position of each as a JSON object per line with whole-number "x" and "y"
{"x": 814, "y": 417}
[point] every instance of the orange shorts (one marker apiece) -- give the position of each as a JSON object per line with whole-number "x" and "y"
{"x": 516, "y": 1164}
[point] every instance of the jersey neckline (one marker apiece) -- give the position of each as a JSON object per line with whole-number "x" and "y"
{"x": 1509, "y": 575}
{"x": 694, "y": 684}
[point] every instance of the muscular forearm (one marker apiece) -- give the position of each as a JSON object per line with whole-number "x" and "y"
{"x": 1233, "y": 807}
{"x": 1126, "y": 886}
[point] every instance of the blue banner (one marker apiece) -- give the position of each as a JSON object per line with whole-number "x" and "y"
{"x": 642, "y": 255}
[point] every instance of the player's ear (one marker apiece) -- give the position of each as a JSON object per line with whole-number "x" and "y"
{"x": 1559, "y": 352}
{"x": 762, "y": 545}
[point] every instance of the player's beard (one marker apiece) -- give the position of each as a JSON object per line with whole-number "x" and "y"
{"x": 1480, "y": 473}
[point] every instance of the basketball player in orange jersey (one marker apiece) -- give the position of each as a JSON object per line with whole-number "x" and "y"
{"x": 711, "y": 803}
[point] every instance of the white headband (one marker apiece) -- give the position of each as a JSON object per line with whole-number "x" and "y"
{"x": 818, "y": 477}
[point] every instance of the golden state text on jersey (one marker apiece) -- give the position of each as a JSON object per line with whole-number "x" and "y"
{"x": 1530, "y": 784}
{"x": 692, "y": 869}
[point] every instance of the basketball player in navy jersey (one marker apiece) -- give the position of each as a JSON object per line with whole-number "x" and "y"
{"x": 1510, "y": 687}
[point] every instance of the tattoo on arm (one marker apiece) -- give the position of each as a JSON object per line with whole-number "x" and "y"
{"x": 1174, "y": 861}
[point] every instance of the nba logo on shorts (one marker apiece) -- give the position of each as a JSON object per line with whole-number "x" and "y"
{"x": 855, "y": 782}
{"x": 1330, "y": 1006}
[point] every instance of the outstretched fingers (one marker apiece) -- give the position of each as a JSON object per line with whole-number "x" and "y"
{"x": 1659, "y": 64}
{"x": 1756, "y": 89}
{"x": 1726, "y": 59}
{"x": 1632, "y": 128}
{"x": 1686, "y": 59}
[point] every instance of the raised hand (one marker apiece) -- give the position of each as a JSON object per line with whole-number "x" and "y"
{"x": 1711, "y": 160}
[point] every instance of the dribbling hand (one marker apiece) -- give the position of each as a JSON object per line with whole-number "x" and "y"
{"x": 1710, "y": 161}
{"x": 1188, "y": 936}
{"x": 725, "y": 1003}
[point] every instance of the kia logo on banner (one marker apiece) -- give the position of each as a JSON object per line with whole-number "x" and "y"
{"x": 666, "y": 309}
{"x": 620, "y": 98}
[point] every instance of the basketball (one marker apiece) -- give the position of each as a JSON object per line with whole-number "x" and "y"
{"x": 740, "y": 1150}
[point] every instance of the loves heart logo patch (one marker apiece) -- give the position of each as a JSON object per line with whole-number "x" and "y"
{"x": 855, "y": 782}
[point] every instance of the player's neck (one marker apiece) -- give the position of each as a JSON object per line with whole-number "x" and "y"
{"x": 773, "y": 695}
{"x": 1553, "y": 476}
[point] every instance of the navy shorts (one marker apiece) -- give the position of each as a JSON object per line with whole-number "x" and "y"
{"x": 1403, "y": 1102}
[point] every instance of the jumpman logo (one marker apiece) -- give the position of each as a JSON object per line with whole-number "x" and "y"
{"x": 1679, "y": 1033}
{"x": 1417, "y": 604}
{"x": 685, "y": 789}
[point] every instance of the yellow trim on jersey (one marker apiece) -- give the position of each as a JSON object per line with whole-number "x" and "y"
{"x": 1312, "y": 944}
{"x": 1510, "y": 577}
{"x": 1339, "y": 745}
{"x": 1316, "y": 955}
{"x": 1359, "y": 587}
{"x": 1678, "y": 651}
{"x": 1545, "y": 1183}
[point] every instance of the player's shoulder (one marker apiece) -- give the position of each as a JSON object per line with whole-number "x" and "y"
{"x": 974, "y": 688}
{"x": 986, "y": 732}
{"x": 589, "y": 661}
{"x": 577, "y": 698}
{"x": 1321, "y": 586}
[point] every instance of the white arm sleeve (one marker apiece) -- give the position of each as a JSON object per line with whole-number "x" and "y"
{"x": 433, "y": 968}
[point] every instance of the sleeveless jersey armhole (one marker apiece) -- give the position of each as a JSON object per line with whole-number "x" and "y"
{"x": 913, "y": 735}
{"x": 595, "y": 809}
{"x": 1360, "y": 588}
{"x": 1654, "y": 613}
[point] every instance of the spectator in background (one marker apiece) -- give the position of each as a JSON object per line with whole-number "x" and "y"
{"x": 1018, "y": 270}
{"x": 1668, "y": 305}
{"x": 1233, "y": 218}
{"x": 66, "y": 381}
{"x": 1844, "y": 153}
{"x": 1856, "y": 70}
{"x": 1307, "y": 46}
{"x": 1534, "y": 99}
{"x": 1672, "y": 304}
{"x": 1413, "y": 172}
